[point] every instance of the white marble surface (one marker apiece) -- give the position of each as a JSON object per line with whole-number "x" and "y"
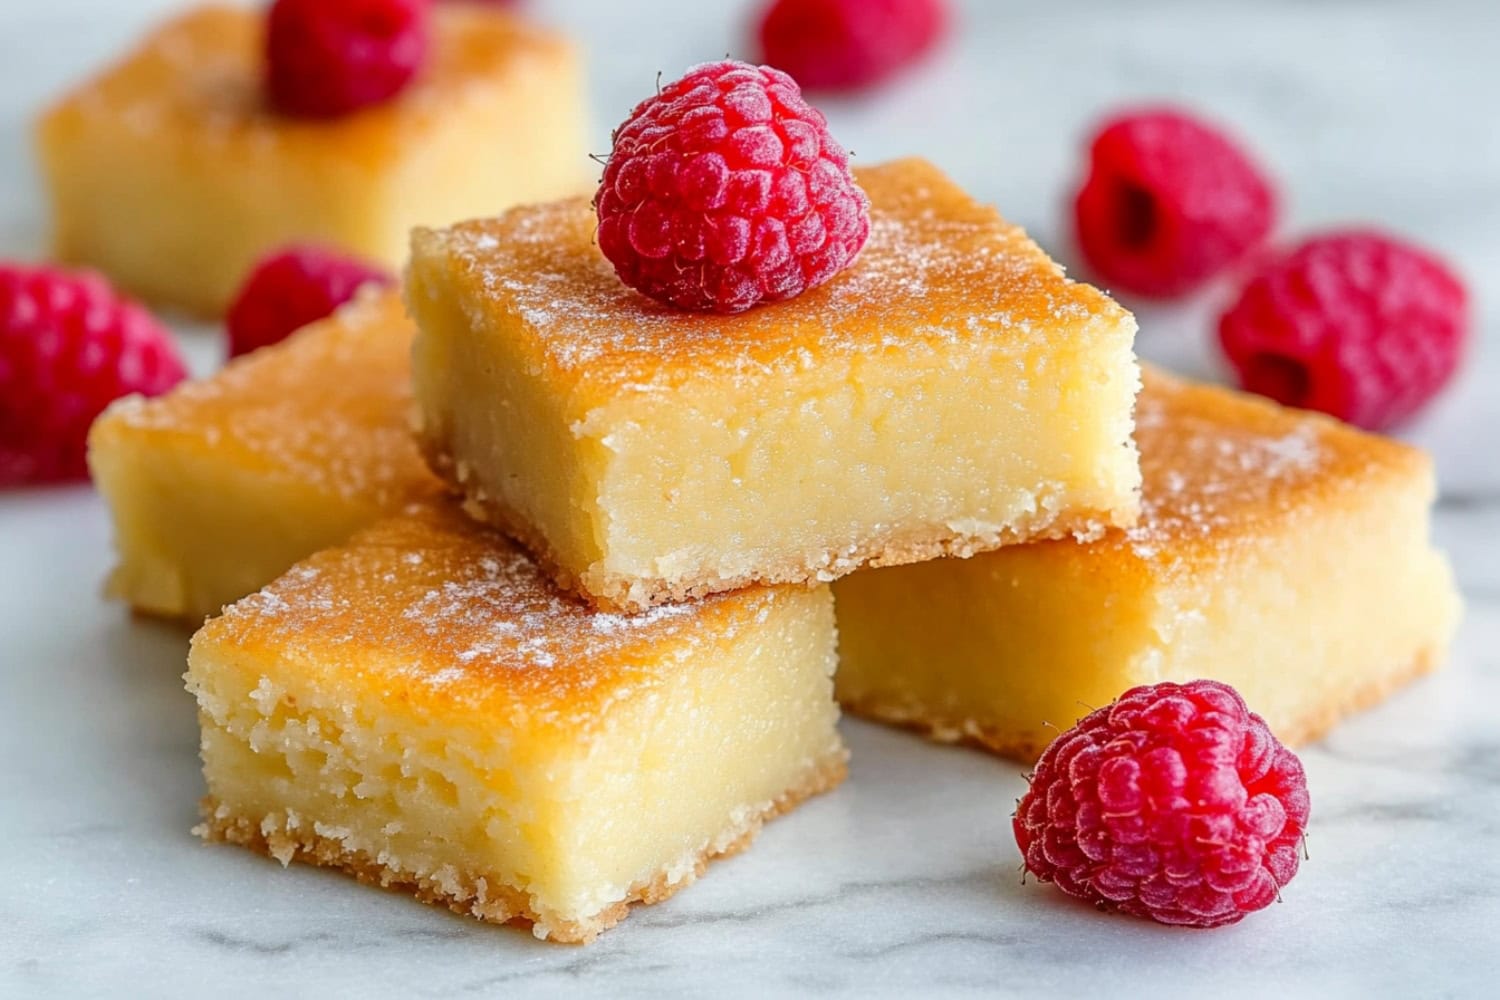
{"x": 905, "y": 880}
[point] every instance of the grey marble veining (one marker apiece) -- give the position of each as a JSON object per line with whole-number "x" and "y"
{"x": 906, "y": 880}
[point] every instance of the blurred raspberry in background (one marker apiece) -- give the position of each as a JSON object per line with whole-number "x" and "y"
{"x": 1168, "y": 202}
{"x": 848, "y": 44}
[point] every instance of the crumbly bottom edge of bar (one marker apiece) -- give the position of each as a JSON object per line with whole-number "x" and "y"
{"x": 974, "y": 732}
{"x": 114, "y": 590}
{"x": 484, "y": 897}
{"x": 184, "y": 618}
{"x": 627, "y": 594}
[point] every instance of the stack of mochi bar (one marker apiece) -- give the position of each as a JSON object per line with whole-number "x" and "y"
{"x": 551, "y": 721}
{"x": 552, "y": 727}
{"x": 585, "y": 623}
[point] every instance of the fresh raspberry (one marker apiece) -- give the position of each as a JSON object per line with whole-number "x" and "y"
{"x": 326, "y": 58}
{"x": 68, "y": 347}
{"x": 1169, "y": 201}
{"x": 848, "y": 44}
{"x": 1175, "y": 803}
{"x": 726, "y": 190}
{"x": 1357, "y": 324}
{"x": 290, "y": 289}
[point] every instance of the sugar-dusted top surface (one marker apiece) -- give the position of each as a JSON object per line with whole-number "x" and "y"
{"x": 197, "y": 79}
{"x": 938, "y": 267}
{"x": 1220, "y": 466}
{"x": 430, "y": 607}
{"x": 328, "y": 410}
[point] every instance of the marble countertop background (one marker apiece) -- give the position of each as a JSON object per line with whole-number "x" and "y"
{"x": 905, "y": 881}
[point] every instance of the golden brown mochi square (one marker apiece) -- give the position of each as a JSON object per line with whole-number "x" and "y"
{"x": 422, "y": 708}
{"x": 950, "y": 393}
{"x": 1277, "y": 550}
{"x": 219, "y": 486}
{"x": 169, "y": 172}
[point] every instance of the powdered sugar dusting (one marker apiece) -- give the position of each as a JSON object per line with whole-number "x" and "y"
{"x": 1215, "y": 466}
{"x": 511, "y": 616}
{"x": 937, "y": 268}
{"x": 433, "y": 598}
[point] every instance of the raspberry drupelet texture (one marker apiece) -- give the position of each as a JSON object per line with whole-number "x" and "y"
{"x": 327, "y": 58}
{"x": 68, "y": 347}
{"x": 1175, "y": 803}
{"x": 292, "y": 288}
{"x": 726, "y": 190}
{"x": 848, "y": 44}
{"x": 1356, "y": 324}
{"x": 1168, "y": 202}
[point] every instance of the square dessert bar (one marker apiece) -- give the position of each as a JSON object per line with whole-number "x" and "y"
{"x": 951, "y": 392}
{"x": 220, "y": 485}
{"x": 423, "y": 709}
{"x": 1277, "y": 550}
{"x": 170, "y": 173}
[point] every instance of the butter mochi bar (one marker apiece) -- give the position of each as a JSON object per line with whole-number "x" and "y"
{"x": 219, "y": 486}
{"x": 1279, "y": 551}
{"x": 170, "y": 172}
{"x": 421, "y": 708}
{"x": 949, "y": 393}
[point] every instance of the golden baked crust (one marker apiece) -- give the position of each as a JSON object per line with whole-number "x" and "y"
{"x": 487, "y": 898}
{"x": 480, "y": 626}
{"x": 1221, "y": 469}
{"x": 939, "y": 268}
{"x": 1315, "y": 723}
